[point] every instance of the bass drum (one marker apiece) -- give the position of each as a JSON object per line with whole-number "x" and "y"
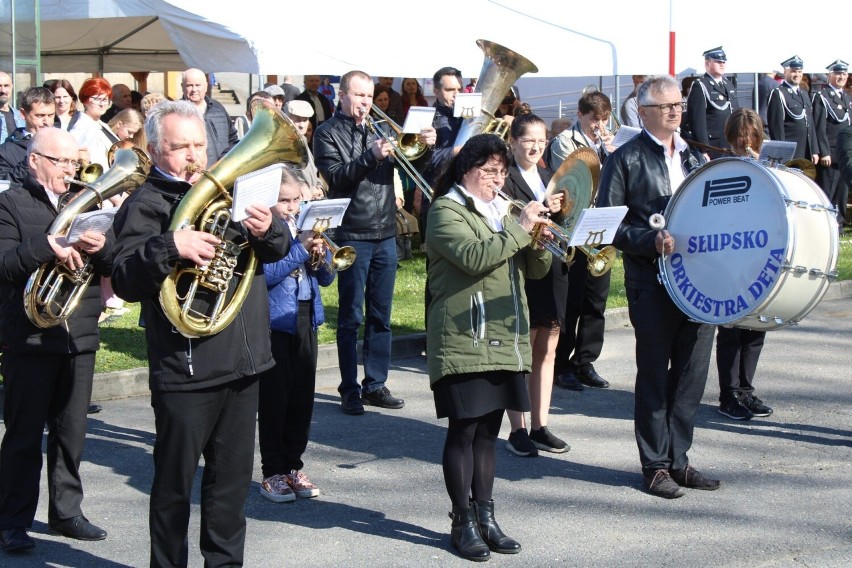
{"x": 755, "y": 246}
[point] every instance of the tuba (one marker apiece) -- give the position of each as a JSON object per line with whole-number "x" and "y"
{"x": 500, "y": 70}
{"x": 202, "y": 301}
{"x": 53, "y": 291}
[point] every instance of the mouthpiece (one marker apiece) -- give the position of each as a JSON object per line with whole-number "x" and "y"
{"x": 192, "y": 168}
{"x": 657, "y": 221}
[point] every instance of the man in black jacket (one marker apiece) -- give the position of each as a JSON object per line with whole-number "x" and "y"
{"x": 672, "y": 352}
{"x": 355, "y": 162}
{"x": 203, "y": 390}
{"x": 320, "y": 103}
{"x": 221, "y": 133}
{"x": 38, "y": 108}
{"x": 833, "y": 114}
{"x": 47, "y": 372}
{"x": 789, "y": 114}
{"x": 712, "y": 99}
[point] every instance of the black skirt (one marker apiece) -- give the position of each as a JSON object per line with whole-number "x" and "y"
{"x": 547, "y": 298}
{"x": 471, "y": 395}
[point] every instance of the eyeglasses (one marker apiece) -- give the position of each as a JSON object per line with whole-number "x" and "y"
{"x": 60, "y": 162}
{"x": 528, "y": 144}
{"x": 666, "y": 108}
{"x": 493, "y": 172}
{"x": 99, "y": 100}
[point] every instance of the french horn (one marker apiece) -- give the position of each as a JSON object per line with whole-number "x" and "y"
{"x": 54, "y": 291}
{"x": 202, "y": 301}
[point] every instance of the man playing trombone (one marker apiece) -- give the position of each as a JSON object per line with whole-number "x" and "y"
{"x": 353, "y": 159}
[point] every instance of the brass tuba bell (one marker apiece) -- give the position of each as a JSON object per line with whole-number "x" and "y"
{"x": 202, "y": 301}
{"x": 53, "y": 291}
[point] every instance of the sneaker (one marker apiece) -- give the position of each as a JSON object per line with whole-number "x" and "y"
{"x": 382, "y": 398}
{"x": 756, "y": 406}
{"x": 543, "y": 439}
{"x": 735, "y": 409}
{"x": 301, "y": 485}
{"x": 276, "y": 488}
{"x": 520, "y": 444}
{"x": 661, "y": 484}
{"x": 350, "y": 403}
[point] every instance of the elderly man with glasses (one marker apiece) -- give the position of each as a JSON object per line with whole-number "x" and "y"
{"x": 47, "y": 372}
{"x": 672, "y": 352}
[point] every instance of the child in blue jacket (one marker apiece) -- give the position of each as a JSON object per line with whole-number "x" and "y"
{"x": 287, "y": 390}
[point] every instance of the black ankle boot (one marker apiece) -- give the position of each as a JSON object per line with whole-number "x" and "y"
{"x": 495, "y": 538}
{"x": 465, "y": 535}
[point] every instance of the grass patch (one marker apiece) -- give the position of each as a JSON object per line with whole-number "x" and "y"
{"x": 123, "y": 342}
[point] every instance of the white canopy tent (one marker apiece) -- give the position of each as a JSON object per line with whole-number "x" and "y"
{"x": 562, "y": 39}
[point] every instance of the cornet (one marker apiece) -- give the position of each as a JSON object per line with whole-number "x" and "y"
{"x": 557, "y": 244}
{"x": 341, "y": 257}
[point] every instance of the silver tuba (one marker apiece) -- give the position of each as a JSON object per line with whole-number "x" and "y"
{"x": 202, "y": 301}
{"x": 53, "y": 291}
{"x": 500, "y": 70}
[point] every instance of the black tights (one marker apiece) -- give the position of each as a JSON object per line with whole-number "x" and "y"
{"x": 470, "y": 456}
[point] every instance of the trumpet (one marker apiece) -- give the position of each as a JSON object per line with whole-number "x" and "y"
{"x": 341, "y": 257}
{"x": 402, "y": 148}
{"x": 557, "y": 244}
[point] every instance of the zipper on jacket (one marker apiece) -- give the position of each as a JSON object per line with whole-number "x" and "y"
{"x": 189, "y": 356}
{"x": 477, "y": 317}
{"x": 514, "y": 289}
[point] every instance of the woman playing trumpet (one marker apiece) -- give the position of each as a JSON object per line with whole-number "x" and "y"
{"x": 478, "y": 330}
{"x": 528, "y": 182}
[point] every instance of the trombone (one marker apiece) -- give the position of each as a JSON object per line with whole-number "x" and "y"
{"x": 406, "y": 148}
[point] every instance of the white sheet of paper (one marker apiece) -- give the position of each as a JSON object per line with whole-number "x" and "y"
{"x": 257, "y": 187}
{"x": 624, "y": 134}
{"x": 597, "y": 225}
{"x": 99, "y": 221}
{"x": 329, "y": 211}
{"x": 417, "y": 119}
{"x": 777, "y": 151}
{"x": 468, "y": 105}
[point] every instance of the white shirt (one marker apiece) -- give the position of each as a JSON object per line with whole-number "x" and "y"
{"x": 493, "y": 210}
{"x": 534, "y": 181}
{"x": 673, "y": 163}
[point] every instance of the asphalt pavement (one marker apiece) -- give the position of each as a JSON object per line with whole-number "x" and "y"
{"x": 785, "y": 500}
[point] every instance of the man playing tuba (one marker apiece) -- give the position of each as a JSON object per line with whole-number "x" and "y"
{"x": 47, "y": 371}
{"x": 204, "y": 390}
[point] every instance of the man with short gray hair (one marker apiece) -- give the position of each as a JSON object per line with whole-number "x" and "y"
{"x": 221, "y": 134}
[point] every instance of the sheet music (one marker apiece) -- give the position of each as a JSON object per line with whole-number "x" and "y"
{"x": 777, "y": 151}
{"x": 467, "y": 105}
{"x": 257, "y": 187}
{"x": 329, "y": 211}
{"x": 597, "y": 225}
{"x": 99, "y": 221}
{"x": 417, "y": 119}
{"x": 624, "y": 134}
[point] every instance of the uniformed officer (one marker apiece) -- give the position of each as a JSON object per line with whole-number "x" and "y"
{"x": 789, "y": 112}
{"x": 711, "y": 100}
{"x": 832, "y": 114}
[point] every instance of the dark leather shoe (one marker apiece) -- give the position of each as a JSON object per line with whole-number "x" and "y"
{"x": 465, "y": 535}
{"x": 382, "y": 398}
{"x": 692, "y": 478}
{"x": 78, "y": 528}
{"x": 568, "y": 380}
{"x": 350, "y": 403}
{"x": 491, "y": 533}
{"x": 660, "y": 483}
{"x": 589, "y": 377}
{"x": 94, "y": 409}
{"x": 16, "y": 540}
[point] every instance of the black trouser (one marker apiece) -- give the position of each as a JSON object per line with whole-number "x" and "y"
{"x": 835, "y": 188}
{"x": 43, "y": 389}
{"x": 287, "y": 397}
{"x": 672, "y": 360}
{"x": 217, "y": 423}
{"x": 737, "y": 352}
{"x": 582, "y": 336}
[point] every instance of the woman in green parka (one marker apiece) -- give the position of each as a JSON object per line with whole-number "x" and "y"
{"x": 478, "y": 345}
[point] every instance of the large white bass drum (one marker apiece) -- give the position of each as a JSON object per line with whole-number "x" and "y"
{"x": 755, "y": 246}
